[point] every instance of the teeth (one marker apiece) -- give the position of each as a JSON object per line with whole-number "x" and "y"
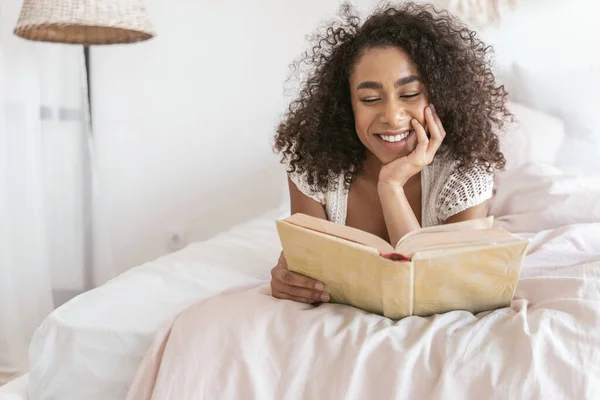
{"x": 396, "y": 138}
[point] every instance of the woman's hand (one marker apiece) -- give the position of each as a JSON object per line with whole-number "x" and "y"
{"x": 399, "y": 171}
{"x": 292, "y": 286}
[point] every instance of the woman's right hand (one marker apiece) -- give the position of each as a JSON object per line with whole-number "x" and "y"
{"x": 289, "y": 285}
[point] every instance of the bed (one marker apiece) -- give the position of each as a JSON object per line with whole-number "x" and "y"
{"x": 104, "y": 344}
{"x": 546, "y": 345}
{"x": 16, "y": 390}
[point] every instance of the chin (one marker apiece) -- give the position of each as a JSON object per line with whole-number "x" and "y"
{"x": 389, "y": 157}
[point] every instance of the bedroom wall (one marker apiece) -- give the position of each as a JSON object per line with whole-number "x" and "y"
{"x": 183, "y": 122}
{"x": 549, "y": 53}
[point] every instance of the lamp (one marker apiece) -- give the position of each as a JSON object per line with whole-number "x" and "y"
{"x": 86, "y": 22}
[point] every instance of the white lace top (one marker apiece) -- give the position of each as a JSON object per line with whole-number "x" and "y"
{"x": 444, "y": 192}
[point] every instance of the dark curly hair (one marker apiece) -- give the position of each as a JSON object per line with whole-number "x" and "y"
{"x": 317, "y": 137}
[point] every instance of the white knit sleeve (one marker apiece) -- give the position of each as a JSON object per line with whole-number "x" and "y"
{"x": 300, "y": 182}
{"x": 464, "y": 190}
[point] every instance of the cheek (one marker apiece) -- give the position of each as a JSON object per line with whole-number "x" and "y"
{"x": 362, "y": 120}
{"x": 418, "y": 112}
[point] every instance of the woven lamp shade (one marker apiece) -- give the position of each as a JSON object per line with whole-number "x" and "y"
{"x": 87, "y": 22}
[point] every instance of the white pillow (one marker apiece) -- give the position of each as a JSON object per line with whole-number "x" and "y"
{"x": 535, "y": 137}
{"x": 536, "y": 197}
{"x": 571, "y": 93}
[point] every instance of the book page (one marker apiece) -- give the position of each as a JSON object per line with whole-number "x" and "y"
{"x": 463, "y": 238}
{"x": 480, "y": 223}
{"x": 340, "y": 231}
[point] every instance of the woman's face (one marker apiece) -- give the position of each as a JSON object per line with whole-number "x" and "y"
{"x": 387, "y": 94}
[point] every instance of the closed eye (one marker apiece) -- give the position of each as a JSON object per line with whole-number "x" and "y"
{"x": 374, "y": 99}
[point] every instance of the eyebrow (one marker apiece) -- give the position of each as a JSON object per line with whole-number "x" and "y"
{"x": 376, "y": 85}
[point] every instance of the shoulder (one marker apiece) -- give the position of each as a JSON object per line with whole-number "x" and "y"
{"x": 336, "y": 183}
{"x": 299, "y": 180}
{"x": 461, "y": 188}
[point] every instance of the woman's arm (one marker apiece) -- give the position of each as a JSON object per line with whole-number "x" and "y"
{"x": 301, "y": 203}
{"x": 289, "y": 285}
{"x": 475, "y": 212}
{"x": 399, "y": 216}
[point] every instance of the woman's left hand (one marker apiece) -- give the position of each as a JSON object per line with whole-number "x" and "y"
{"x": 399, "y": 171}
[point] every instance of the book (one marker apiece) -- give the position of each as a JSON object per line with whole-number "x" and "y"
{"x": 467, "y": 265}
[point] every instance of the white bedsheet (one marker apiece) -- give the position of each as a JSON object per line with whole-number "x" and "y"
{"x": 98, "y": 339}
{"x": 16, "y": 390}
{"x": 91, "y": 347}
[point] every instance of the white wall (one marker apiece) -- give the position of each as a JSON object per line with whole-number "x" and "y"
{"x": 183, "y": 123}
{"x": 550, "y": 52}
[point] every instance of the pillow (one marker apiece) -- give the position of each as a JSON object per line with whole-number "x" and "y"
{"x": 536, "y": 197}
{"x": 570, "y": 93}
{"x": 546, "y": 55}
{"x": 535, "y": 137}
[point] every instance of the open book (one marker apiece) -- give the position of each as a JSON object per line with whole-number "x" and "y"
{"x": 463, "y": 266}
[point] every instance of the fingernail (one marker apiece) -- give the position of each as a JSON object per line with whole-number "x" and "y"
{"x": 432, "y": 107}
{"x": 414, "y": 121}
{"x": 319, "y": 286}
{"x": 324, "y": 297}
{"x": 429, "y": 110}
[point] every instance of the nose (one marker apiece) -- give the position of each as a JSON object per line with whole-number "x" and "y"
{"x": 393, "y": 113}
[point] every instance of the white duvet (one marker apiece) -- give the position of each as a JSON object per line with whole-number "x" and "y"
{"x": 244, "y": 344}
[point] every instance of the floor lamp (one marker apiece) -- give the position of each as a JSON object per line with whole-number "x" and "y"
{"x": 87, "y": 23}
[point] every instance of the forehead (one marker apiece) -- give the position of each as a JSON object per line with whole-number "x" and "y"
{"x": 383, "y": 64}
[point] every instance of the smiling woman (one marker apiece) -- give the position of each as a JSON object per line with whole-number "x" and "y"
{"x": 394, "y": 128}
{"x": 318, "y": 137}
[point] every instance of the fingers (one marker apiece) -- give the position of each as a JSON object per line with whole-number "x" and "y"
{"x": 422, "y": 141}
{"x": 289, "y": 285}
{"x": 438, "y": 121}
{"x": 281, "y": 295}
{"x": 286, "y": 296}
{"x": 436, "y": 130}
{"x": 282, "y": 261}
{"x": 309, "y": 295}
{"x": 292, "y": 279}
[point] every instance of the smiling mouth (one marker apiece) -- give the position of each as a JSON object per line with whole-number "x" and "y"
{"x": 395, "y": 138}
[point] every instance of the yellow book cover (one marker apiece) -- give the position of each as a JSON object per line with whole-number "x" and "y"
{"x": 463, "y": 266}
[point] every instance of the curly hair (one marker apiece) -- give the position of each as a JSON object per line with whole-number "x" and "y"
{"x": 317, "y": 137}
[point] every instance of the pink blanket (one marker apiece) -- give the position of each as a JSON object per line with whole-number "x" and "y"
{"x": 248, "y": 345}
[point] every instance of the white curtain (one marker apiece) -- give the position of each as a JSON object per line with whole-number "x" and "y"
{"x": 46, "y": 186}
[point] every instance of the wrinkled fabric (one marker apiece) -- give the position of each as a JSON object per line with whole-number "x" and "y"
{"x": 250, "y": 345}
